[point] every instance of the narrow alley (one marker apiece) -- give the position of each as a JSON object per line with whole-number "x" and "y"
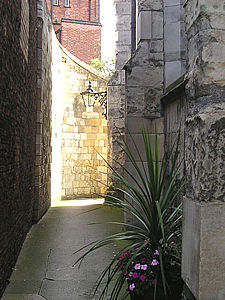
{"x": 44, "y": 268}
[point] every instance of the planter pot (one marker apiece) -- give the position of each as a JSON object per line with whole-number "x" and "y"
{"x": 175, "y": 294}
{"x": 149, "y": 295}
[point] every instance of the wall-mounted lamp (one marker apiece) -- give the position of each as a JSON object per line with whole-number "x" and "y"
{"x": 90, "y": 96}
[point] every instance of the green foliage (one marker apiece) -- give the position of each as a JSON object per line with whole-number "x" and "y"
{"x": 151, "y": 199}
{"x": 105, "y": 66}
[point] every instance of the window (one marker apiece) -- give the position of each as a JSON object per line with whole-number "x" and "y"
{"x": 89, "y": 10}
{"x": 55, "y": 2}
{"x": 67, "y": 3}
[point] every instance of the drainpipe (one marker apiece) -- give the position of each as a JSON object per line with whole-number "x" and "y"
{"x": 99, "y": 11}
{"x": 133, "y": 26}
{"x": 51, "y": 11}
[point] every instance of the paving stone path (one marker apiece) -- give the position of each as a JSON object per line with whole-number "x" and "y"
{"x": 44, "y": 268}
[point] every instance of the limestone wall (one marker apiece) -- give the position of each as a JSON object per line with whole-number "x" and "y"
{"x": 116, "y": 85}
{"x": 79, "y": 132}
{"x": 174, "y": 41}
{"x": 196, "y": 103}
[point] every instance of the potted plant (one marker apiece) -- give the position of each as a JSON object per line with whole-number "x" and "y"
{"x": 149, "y": 263}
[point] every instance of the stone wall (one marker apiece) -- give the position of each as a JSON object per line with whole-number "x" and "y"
{"x": 174, "y": 41}
{"x": 17, "y": 128}
{"x": 79, "y": 132}
{"x": 195, "y": 103}
{"x": 203, "y": 266}
{"x": 43, "y": 107}
{"x": 144, "y": 71}
{"x": 116, "y": 85}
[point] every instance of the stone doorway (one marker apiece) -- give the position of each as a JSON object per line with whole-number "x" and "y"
{"x": 79, "y": 133}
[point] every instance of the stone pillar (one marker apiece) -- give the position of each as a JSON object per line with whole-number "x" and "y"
{"x": 144, "y": 71}
{"x": 144, "y": 80}
{"x": 123, "y": 32}
{"x": 116, "y": 85}
{"x": 203, "y": 263}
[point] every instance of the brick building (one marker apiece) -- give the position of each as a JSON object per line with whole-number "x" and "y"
{"x": 77, "y": 26}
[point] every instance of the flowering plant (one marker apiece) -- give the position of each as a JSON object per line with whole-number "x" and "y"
{"x": 141, "y": 269}
{"x": 150, "y": 259}
{"x": 142, "y": 272}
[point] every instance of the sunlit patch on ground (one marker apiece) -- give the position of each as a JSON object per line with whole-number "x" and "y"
{"x": 78, "y": 202}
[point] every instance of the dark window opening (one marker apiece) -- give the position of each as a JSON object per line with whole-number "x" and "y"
{"x": 89, "y": 10}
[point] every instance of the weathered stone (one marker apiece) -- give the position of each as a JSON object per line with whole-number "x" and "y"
{"x": 144, "y": 26}
{"x": 203, "y": 264}
{"x": 150, "y": 5}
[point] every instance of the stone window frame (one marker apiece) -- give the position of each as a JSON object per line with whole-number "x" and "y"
{"x": 56, "y": 2}
{"x": 67, "y": 3}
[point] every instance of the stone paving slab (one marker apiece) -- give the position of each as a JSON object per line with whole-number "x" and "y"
{"x": 44, "y": 267}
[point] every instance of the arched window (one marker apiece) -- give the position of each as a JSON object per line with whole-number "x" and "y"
{"x": 67, "y": 3}
{"x": 55, "y": 2}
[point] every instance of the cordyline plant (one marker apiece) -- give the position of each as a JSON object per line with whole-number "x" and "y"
{"x": 152, "y": 199}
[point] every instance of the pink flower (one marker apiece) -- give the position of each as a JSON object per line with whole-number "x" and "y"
{"x": 137, "y": 246}
{"x": 154, "y": 262}
{"x": 135, "y": 275}
{"x": 142, "y": 278}
{"x": 156, "y": 252}
{"x": 144, "y": 267}
{"x": 143, "y": 260}
{"x": 153, "y": 282}
{"x": 132, "y": 287}
{"x": 126, "y": 273}
{"x": 137, "y": 267}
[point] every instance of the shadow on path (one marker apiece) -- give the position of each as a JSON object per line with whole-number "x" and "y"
{"x": 44, "y": 268}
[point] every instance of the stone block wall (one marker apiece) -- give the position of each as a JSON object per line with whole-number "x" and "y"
{"x": 144, "y": 71}
{"x": 123, "y": 32}
{"x": 174, "y": 41}
{"x": 80, "y": 134}
{"x": 144, "y": 77}
{"x": 18, "y": 83}
{"x": 43, "y": 107}
{"x": 84, "y": 146}
{"x": 195, "y": 102}
{"x": 116, "y": 85}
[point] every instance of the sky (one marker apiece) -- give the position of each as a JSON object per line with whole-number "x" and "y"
{"x": 108, "y": 29}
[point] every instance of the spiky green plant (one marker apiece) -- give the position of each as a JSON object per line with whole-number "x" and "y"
{"x": 152, "y": 200}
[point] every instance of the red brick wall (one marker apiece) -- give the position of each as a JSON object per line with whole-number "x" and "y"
{"x": 82, "y": 40}
{"x": 17, "y": 131}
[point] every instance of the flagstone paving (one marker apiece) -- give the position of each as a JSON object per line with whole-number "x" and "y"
{"x": 44, "y": 268}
